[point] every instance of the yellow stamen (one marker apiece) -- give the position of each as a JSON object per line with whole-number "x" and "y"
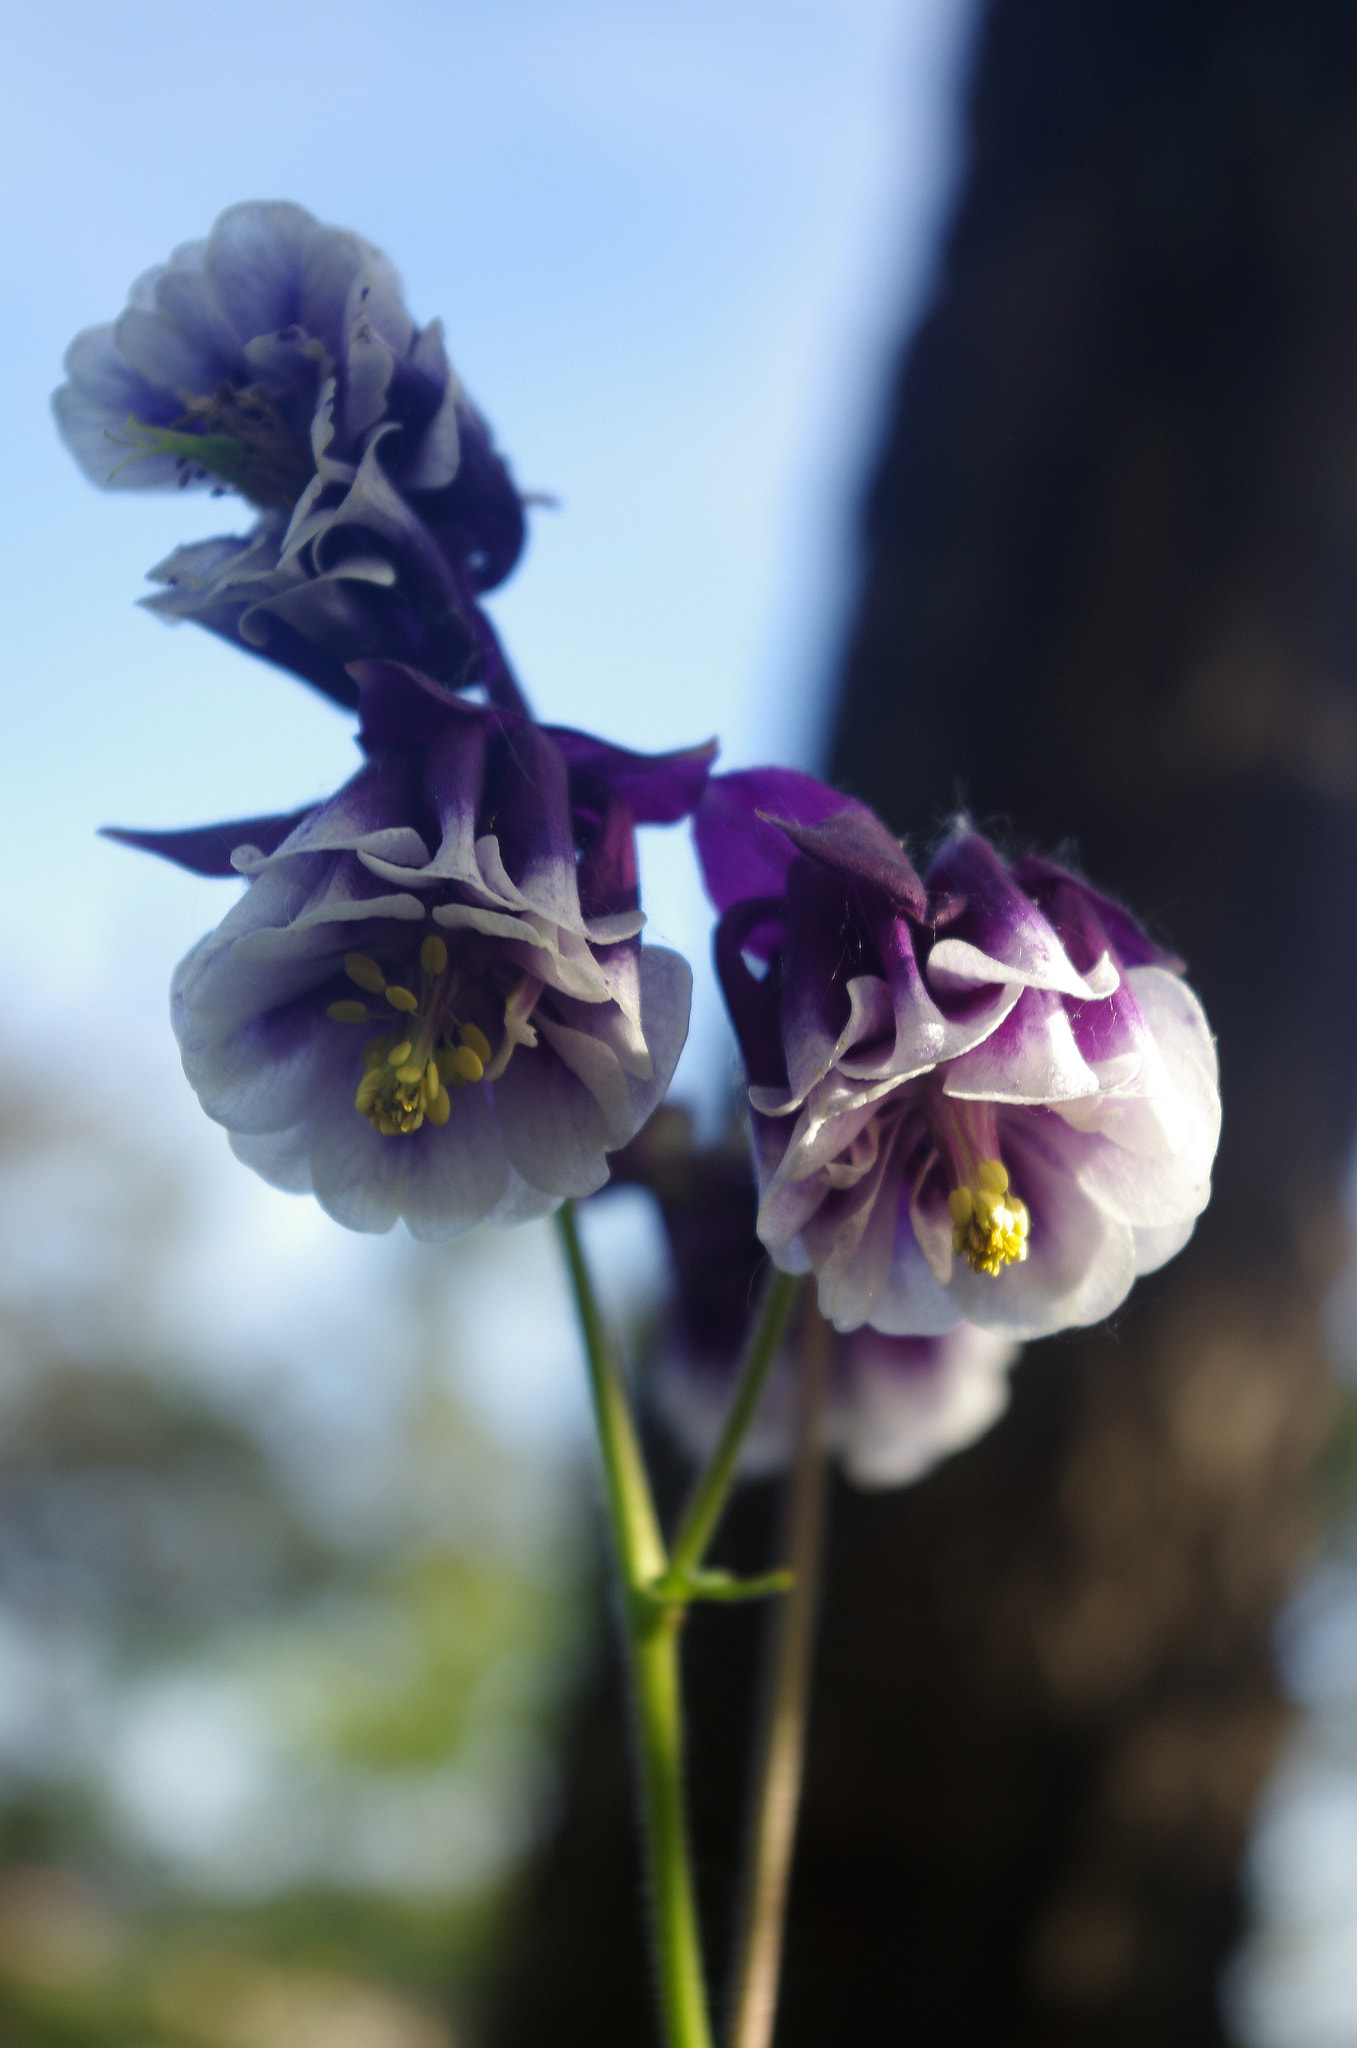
{"x": 467, "y": 1065}
{"x": 402, "y": 999}
{"x": 989, "y": 1224}
{"x": 364, "y": 970}
{"x": 472, "y": 1035}
{"x": 408, "y": 1074}
{"x": 399, "y": 1054}
{"x": 348, "y": 1013}
{"x": 433, "y": 955}
{"x": 433, "y": 1080}
{"x": 439, "y": 1107}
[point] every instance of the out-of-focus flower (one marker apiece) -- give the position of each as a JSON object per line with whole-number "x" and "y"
{"x": 980, "y": 1095}
{"x": 276, "y": 359}
{"x": 432, "y": 1001}
{"x": 894, "y": 1405}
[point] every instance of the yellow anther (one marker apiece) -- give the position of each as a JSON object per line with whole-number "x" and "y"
{"x": 409, "y": 1075}
{"x": 466, "y": 1064}
{"x": 433, "y": 1080}
{"x": 439, "y": 1107}
{"x": 992, "y": 1175}
{"x": 402, "y": 999}
{"x": 994, "y": 1234}
{"x": 472, "y": 1035}
{"x": 369, "y": 1088}
{"x": 433, "y": 955}
{"x": 348, "y": 1013}
{"x": 399, "y": 1054}
{"x": 360, "y": 967}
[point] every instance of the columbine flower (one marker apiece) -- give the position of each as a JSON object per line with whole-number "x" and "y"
{"x": 983, "y": 1094}
{"x": 894, "y": 1405}
{"x": 431, "y": 1001}
{"x": 276, "y": 359}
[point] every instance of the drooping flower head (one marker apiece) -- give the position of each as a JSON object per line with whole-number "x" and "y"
{"x": 432, "y": 1001}
{"x": 276, "y": 359}
{"x": 894, "y": 1405}
{"x": 979, "y": 1094}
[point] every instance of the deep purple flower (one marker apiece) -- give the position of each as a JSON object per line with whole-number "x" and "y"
{"x": 276, "y": 359}
{"x": 894, "y": 1405}
{"x": 983, "y": 1094}
{"x": 432, "y": 1001}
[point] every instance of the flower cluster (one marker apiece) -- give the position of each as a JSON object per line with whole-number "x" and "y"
{"x": 981, "y": 1094}
{"x": 431, "y": 1001}
{"x": 276, "y": 359}
{"x": 982, "y": 1100}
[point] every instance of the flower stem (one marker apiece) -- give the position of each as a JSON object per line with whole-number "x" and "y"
{"x": 782, "y": 1738}
{"x": 652, "y": 1634}
{"x": 709, "y": 1497}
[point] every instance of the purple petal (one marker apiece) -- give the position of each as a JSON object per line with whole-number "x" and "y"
{"x": 1071, "y": 904}
{"x": 741, "y": 854}
{"x": 926, "y": 1033}
{"x": 818, "y": 951}
{"x": 528, "y": 797}
{"x": 754, "y": 1006}
{"x": 659, "y": 789}
{"x": 854, "y": 845}
{"x": 207, "y": 849}
{"x": 399, "y": 707}
{"x": 999, "y": 935}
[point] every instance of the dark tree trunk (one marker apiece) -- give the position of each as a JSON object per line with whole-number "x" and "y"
{"x": 1110, "y": 601}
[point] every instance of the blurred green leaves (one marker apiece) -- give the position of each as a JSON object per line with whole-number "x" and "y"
{"x": 268, "y": 1758}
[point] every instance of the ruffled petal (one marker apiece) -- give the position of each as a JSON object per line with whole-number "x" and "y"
{"x": 998, "y": 933}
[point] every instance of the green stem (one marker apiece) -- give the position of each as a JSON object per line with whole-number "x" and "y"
{"x": 631, "y": 1510}
{"x": 782, "y": 1741}
{"x": 704, "y": 1510}
{"x": 652, "y": 1641}
{"x": 659, "y": 1708}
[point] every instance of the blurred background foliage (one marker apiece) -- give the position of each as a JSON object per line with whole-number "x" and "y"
{"x": 271, "y": 1743}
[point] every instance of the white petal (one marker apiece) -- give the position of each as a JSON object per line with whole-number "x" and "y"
{"x": 1154, "y": 1248}
{"x": 666, "y": 997}
{"x": 1031, "y": 1056}
{"x": 555, "y": 1134}
{"x": 598, "y": 1066}
{"x": 282, "y": 1158}
{"x": 442, "y": 1180}
{"x": 1081, "y": 1261}
{"x": 895, "y": 1422}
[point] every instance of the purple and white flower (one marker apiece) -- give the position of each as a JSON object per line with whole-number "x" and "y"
{"x": 276, "y": 359}
{"x": 979, "y": 1095}
{"x": 431, "y": 1001}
